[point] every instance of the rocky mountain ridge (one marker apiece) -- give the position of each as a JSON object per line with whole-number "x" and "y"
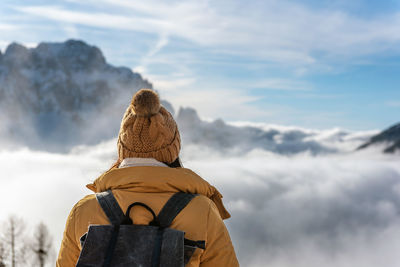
{"x": 390, "y": 138}
{"x": 56, "y": 92}
{"x": 59, "y": 95}
{"x": 223, "y": 136}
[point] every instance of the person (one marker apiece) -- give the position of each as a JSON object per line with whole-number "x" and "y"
{"x": 149, "y": 170}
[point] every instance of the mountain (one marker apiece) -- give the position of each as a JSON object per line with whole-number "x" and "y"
{"x": 225, "y": 137}
{"x": 58, "y": 95}
{"x": 390, "y": 138}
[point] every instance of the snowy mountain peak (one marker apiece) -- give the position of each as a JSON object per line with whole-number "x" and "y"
{"x": 57, "y": 88}
{"x": 188, "y": 116}
{"x": 73, "y": 54}
{"x": 16, "y": 50}
{"x": 15, "y": 55}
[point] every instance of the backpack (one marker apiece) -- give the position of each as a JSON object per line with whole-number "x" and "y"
{"x": 122, "y": 243}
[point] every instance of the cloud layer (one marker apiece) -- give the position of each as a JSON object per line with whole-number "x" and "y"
{"x": 310, "y": 211}
{"x": 331, "y": 210}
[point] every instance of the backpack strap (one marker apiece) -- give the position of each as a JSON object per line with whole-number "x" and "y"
{"x": 172, "y": 208}
{"x": 111, "y": 208}
{"x": 164, "y": 219}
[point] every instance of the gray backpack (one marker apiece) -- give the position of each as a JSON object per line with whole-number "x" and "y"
{"x": 123, "y": 243}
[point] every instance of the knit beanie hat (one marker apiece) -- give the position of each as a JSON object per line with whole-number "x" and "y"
{"x": 148, "y": 130}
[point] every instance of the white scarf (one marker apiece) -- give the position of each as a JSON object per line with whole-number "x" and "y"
{"x": 135, "y": 162}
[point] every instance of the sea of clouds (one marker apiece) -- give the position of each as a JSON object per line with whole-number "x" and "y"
{"x": 337, "y": 209}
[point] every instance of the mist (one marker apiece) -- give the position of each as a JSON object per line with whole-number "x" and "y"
{"x": 338, "y": 210}
{"x": 305, "y": 210}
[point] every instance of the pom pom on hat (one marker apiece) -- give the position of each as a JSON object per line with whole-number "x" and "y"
{"x": 148, "y": 130}
{"x": 146, "y": 103}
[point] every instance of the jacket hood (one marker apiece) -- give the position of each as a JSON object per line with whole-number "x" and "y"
{"x": 150, "y": 179}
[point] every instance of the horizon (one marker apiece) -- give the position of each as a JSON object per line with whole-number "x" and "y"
{"x": 275, "y": 62}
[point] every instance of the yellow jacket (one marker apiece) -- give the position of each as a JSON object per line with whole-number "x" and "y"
{"x": 153, "y": 185}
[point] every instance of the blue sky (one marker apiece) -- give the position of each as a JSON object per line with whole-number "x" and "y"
{"x": 315, "y": 64}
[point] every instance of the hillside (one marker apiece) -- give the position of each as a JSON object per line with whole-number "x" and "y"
{"x": 389, "y": 138}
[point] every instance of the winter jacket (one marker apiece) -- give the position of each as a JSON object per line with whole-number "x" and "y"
{"x": 154, "y": 185}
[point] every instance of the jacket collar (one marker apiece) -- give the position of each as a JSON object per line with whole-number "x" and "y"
{"x": 157, "y": 179}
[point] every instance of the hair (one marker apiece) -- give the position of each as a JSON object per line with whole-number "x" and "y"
{"x": 175, "y": 164}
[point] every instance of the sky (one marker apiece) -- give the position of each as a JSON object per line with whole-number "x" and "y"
{"x": 315, "y": 64}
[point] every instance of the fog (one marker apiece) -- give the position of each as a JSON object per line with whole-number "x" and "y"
{"x": 339, "y": 209}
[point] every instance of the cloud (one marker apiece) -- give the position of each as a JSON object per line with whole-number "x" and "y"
{"x": 172, "y": 84}
{"x": 280, "y": 84}
{"x": 214, "y": 102}
{"x": 277, "y": 31}
{"x": 7, "y": 27}
{"x": 163, "y": 41}
{"x": 71, "y": 31}
{"x": 89, "y": 19}
{"x": 338, "y": 210}
{"x": 308, "y": 211}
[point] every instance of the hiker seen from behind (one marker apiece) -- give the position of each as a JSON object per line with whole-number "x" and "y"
{"x": 147, "y": 210}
